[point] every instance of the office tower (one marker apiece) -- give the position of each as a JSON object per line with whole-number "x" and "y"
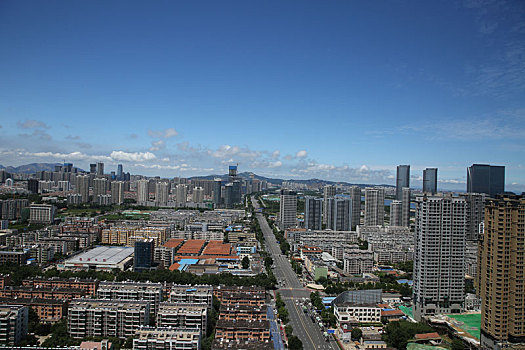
{"x": 67, "y": 168}
{"x": 236, "y": 191}
{"x": 142, "y": 192}
{"x": 82, "y": 187}
{"x": 402, "y": 180}
{"x": 161, "y": 193}
{"x": 355, "y": 196}
{"x": 143, "y": 257}
{"x": 198, "y": 195}
{"x": 339, "y": 213}
{"x": 405, "y": 215}
{"x": 120, "y": 173}
{"x": 217, "y": 192}
{"x": 100, "y": 187}
{"x": 439, "y": 254}
{"x": 32, "y": 185}
{"x": 396, "y": 213}
{"x": 475, "y": 213}
{"x": 328, "y": 191}
{"x": 228, "y": 195}
{"x": 488, "y": 179}
{"x": 288, "y": 209}
{"x": 374, "y": 206}
{"x": 430, "y": 180}
{"x": 181, "y": 195}
{"x": 502, "y": 274}
{"x": 100, "y": 169}
{"x": 92, "y": 168}
{"x": 117, "y": 192}
{"x": 313, "y": 213}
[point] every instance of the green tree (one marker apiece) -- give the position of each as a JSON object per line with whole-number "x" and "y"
{"x": 357, "y": 333}
{"x": 398, "y": 333}
{"x": 288, "y": 330}
{"x": 245, "y": 262}
{"x": 457, "y": 345}
{"x": 294, "y": 343}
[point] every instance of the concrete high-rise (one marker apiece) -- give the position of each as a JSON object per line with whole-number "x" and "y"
{"x": 100, "y": 169}
{"x": 328, "y": 191}
{"x": 181, "y": 195}
{"x": 475, "y": 213}
{"x": 313, "y": 213}
{"x": 430, "y": 177}
{"x": 339, "y": 213}
{"x": 100, "y": 187}
{"x": 117, "y": 192}
{"x": 217, "y": 192}
{"x": 484, "y": 178}
{"x": 82, "y": 187}
{"x": 439, "y": 254}
{"x": 396, "y": 213}
{"x": 162, "y": 190}
{"x": 142, "y": 191}
{"x": 374, "y": 206}
{"x": 288, "y": 209}
{"x": 120, "y": 172}
{"x": 355, "y": 196}
{"x": 143, "y": 256}
{"x": 92, "y": 168}
{"x": 402, "y": 180}
{"x": 198, "y": 195}
{"x": 502, "y": 274}
{"x": 405, "y": 209}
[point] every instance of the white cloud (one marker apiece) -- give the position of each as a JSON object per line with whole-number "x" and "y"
{"x": 164, "y": 134}
{"x": 32, "y": 124}
{"x": 132, "y": 156}
{"x": 157, "y": 145}
{"x": 301, "y": 154}
{"x": 276, "y": 154}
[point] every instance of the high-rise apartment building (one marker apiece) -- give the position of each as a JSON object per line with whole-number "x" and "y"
{"x": 13, "y": 324}
{"x": 100, "y": 169}
{"x": 117, "y": 192}
{"x": 142, "y": 191}
{"x": 475, "y": 213}
{"x": 328, "y": 191}
{"x": 288, "y": 209}
{"x": 92, "y": 168}
{"x": 82, "y": 187}
{"x": 484, "y": 178}
{"x": 396, "y": 213}
{"x": 339, "y": 213}
{"x": 405, "y": 215}
{"x": 217, "y": 195}
{"x": 402, "y": 180}
{"x": 313, "y": 213}
{"x": 430, "y": 176}
{"x": 100, "y": 187}
{"x": 42, "y": 213}
{"x": 374, "y": 206}
{"x": 181, "y": 195}
{"x": 502, "y": 274}
{"x": 355, "y": 196}
{"x": 198, "y": 195}
{"x": 162, "y": 190}
{"x": 439, "y": 276}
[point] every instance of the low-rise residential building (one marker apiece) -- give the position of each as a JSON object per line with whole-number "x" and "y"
{"x": 106, "y": 318}
{"x": 48, "y": 310}
{"x": 358, "y": 261}
{"x": 89, "y": 285}
{"x": 182, "y": 315}
{"x": 144, "y": 291}
{"x": 234, "y": 312}
{"x": 41, "y": 213}
{"x": 41, "y": 293}
{"x": 243, "y": 330}
{"x": 150, "y": 338}
{"x": 198, "y": 294}
{"x": 13, "y": 324}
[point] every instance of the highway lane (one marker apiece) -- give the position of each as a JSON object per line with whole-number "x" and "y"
{"x": 291, "y": 290}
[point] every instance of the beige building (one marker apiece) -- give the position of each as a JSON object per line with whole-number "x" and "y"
{"x": 502, "y": 274}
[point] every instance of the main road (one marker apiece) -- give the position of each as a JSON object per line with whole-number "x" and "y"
{"x": 291, "y": 291}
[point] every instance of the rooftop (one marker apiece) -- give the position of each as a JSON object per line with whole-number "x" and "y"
{"x": 102, "y": 254}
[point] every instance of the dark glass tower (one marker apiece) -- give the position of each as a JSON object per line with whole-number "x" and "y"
{"x": 484, "y": 178}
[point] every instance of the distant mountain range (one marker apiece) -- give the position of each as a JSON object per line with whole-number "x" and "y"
{"x": 30, "y": 168}
{"x": 34, "y": 167}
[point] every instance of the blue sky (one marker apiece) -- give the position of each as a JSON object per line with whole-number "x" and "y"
{"x": 339, "y": 90}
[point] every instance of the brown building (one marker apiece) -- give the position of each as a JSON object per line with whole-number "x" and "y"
{"x": 234, "y": 312}
{"x": 89, "y": 286}
{"x": 242, "y": 299}
{"x": 502, "y": 273}
{"x": 4, "y": 281}
{"x": 243, "y": 330}
{"x": 220, "y": 290}
{"x": 42, "y": 293}
{"x": 10, "y": 257}
{"x": 48, "y": 310}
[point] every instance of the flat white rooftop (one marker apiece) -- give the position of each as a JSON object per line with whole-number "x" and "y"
{"x": 102, "y": 255}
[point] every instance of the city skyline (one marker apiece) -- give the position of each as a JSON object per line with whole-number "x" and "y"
{"x": 344, "y": 92}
